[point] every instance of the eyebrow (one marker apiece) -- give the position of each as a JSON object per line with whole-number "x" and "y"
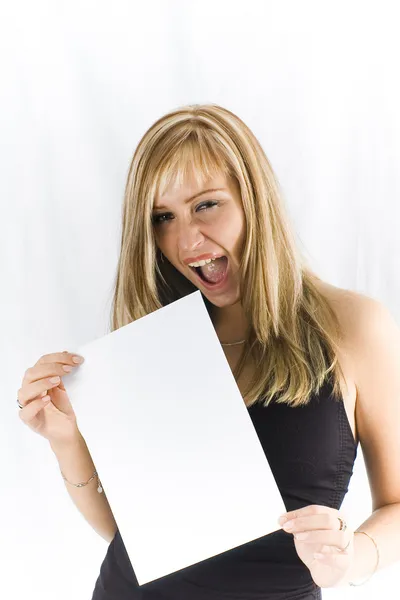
{"x": 196, "y": 195}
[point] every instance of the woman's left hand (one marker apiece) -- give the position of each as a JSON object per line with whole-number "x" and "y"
{"x": 321, "y": 528}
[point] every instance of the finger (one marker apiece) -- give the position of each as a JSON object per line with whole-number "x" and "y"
{"x": 310, "y": 509}
{"x": 339, "y": 539}
{"x": 47, "y": 369}
{"x": 28, "y": 393}
{"x": 59, "y": 357}
{"x": 315, "y": 521}
{"x": 333, "y": 558}
{"x": 30, "y": 411}
{"x": 40, "y": 396}
{"x": 40, "y": 371}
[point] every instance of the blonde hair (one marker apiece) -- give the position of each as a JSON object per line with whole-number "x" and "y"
{"x": 293, "y": 332}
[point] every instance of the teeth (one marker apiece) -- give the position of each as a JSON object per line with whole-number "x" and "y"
{"x": 201, "y": 263}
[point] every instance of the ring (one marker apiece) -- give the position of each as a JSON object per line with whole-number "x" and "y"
{"x": 343, "y": 525}
{"x": 19, "y": 404}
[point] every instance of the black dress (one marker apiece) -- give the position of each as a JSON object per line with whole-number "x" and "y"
{"x": 311, "y": 451}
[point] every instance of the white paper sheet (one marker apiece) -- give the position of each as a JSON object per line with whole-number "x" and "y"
{"x": 175, "y": 448}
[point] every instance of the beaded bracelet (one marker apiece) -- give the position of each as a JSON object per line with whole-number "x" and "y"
{"x": 377, "y": 559}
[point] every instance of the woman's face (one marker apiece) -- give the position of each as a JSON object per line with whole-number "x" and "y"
{"x": 210, "y": 226}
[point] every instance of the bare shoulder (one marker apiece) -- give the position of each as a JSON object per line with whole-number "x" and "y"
{"x": 372, "y": 361}
{"x": 369, "y": 356}
{"x": 359, "y": 315}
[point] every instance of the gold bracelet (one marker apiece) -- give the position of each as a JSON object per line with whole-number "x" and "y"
{"x": 83, "y": 483}
{"x": 377, "y": 559}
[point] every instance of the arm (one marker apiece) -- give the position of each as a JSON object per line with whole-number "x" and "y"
{"x": 376, "y": 352}
{"x": 76, "y": 464}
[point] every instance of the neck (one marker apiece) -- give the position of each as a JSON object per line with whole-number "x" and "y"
{"x": 230, "y": 322}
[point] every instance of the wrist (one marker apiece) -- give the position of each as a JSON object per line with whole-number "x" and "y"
{"x": 67, "y": 443}
{"x": 365, "y": 560}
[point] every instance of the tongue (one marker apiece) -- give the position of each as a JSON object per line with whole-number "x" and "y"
{"x": 214, "y": 271}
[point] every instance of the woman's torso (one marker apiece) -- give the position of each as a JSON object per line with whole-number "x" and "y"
{"x": 311, "y": 451}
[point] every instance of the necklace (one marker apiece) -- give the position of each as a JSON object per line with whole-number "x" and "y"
{"x": 234, "y": 343}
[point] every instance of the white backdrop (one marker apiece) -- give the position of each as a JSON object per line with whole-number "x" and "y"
{"x": 80, "y": 83}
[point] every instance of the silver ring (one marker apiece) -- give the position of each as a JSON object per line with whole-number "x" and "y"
{"x": 19, "y": 404}
{"x": 343, "y": 525}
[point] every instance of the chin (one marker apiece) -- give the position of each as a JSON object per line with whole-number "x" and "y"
{"x": 223, "y": 300}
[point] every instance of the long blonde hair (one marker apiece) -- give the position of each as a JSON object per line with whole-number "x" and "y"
{"x": 294, "y": 332}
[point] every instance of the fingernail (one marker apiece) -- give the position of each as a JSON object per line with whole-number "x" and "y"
{"x": 54, "y": 379}
{"x": 289, "y": 525}
{"x": 78, "y": 359}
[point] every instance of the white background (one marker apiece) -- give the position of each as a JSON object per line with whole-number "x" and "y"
{"x": 81, "y": 82}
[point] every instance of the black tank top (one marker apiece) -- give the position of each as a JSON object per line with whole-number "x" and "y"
{"x": 311, "y": 451}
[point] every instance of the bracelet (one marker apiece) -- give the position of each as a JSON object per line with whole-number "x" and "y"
{"x": 377, "y": 559}
{"x": 83, "y": 483}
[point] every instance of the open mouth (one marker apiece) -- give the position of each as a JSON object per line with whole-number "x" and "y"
{"x": 214, "y": 272}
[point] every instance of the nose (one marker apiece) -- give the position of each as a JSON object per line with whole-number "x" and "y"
{"x": 189, "y": 236}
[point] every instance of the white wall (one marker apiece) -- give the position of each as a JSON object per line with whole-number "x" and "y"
{"x": 80, "y": 83}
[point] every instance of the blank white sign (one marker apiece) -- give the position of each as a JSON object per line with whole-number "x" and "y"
{"x": 172, "y": 440}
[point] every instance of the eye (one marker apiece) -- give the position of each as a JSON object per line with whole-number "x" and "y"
{"x": 207, "y": 204}
{"x": 161, "y": 218}
{"x": 164, "y": 217}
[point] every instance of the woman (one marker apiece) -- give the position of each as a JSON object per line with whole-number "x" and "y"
{"x": 317, "y": 366}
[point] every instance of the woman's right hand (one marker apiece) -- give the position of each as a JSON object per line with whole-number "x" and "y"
{"x": 54, "y": 418}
